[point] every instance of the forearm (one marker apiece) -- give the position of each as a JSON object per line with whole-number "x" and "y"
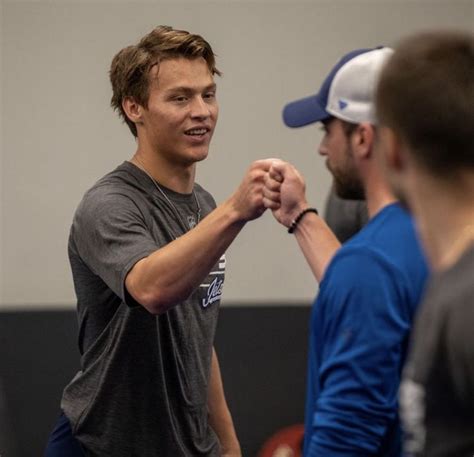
{"x": 284, "y": 194}
{"x": 220, "y": 418}
{"x": 170, "y": 274}
{"x": 317, "y": 242}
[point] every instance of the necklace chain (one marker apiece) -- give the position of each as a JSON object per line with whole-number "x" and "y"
{"x": 162, "y": 192}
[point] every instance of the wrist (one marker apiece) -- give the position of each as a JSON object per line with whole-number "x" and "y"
{"x": 296, "y": 211}
{"x": 297, "y": 220}
{"x": 289, "y": 212}
{"x": 232, "y": 212}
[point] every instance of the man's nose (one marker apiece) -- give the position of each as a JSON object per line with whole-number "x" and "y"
{"x": 199, "y": 108}
{"x": 322, "y": 150}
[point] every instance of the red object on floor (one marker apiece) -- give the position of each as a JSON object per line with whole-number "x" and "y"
{"x": 286, "y": 442}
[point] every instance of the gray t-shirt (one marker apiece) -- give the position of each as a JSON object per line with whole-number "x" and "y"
{"x": 142, "y": 388}
{"x": 345, "y": 217}
{"x": 437, "y": 393}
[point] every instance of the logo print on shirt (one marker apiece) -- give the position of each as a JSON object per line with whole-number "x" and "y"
{"x": 214, "y": 289}
{"x": 191, "y": 221}
{"x": 413, "y": 409}
{"x": 214, "y": 292}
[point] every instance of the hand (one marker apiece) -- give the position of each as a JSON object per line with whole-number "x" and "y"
{"x": 284, "y": 192}
{"x": 248, "y": 198}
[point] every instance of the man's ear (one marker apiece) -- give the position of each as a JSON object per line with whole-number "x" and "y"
{"x": 363, "y": 140}
{"x": 132, "y": 109}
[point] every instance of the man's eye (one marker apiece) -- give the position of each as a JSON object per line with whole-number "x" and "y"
{"x": 180, "y": 98}
{"x": 209, "y": 95}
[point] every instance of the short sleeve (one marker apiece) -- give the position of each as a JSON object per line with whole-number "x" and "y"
{"x": 110, "y": 235}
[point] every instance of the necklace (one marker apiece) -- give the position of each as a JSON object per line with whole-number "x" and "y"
{"x": 191, "y": 221}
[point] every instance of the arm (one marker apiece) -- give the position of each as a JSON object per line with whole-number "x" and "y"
{"x": 219, "y": 415}
{"x": 170, "y": 274}
{"x": 359, "y": 336}
{"x": 317, "y": 242}
{"x": 284, "y": 194}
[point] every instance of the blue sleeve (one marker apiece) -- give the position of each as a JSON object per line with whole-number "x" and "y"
{"x": 361, "y": 344}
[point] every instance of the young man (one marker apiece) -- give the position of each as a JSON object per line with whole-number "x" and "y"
{"x": 369, "y": 288}
{"x": 147, "y": 254}
{"x": 426, "y": 105}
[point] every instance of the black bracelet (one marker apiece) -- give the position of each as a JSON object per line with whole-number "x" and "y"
{"x": 300, "y": 216}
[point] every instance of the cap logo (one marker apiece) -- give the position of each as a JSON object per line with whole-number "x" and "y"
{"x": 342, "y": 104}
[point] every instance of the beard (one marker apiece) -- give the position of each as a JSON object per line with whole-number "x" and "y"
{"x": 348, "y": 186}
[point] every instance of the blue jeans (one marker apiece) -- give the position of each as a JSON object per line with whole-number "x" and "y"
{"x": 61, "y": 442}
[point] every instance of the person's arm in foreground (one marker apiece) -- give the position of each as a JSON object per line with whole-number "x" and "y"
{"x": 284, "y": 194}
{"x": 219, "y": 415}
{"x": 170, "y": 274}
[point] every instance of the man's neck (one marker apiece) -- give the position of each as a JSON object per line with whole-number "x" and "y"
{"x": 445, "y": 218}
{"x": 174, "y": 176}
{"x": 377, "y": 192}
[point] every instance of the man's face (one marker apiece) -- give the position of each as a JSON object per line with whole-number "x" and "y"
{"x": 336, "y": 147}
{"x": 182, "y": 110}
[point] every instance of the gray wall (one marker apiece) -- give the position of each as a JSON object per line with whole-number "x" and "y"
{"x": 58, "y": 134}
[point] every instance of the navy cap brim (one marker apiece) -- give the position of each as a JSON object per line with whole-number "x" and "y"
{"x": 304, "y": 112}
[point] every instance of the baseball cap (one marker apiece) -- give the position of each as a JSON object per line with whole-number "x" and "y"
{"x": 347, "y": 92}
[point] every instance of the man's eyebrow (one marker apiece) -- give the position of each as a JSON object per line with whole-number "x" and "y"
{"x": 190, "y": 90}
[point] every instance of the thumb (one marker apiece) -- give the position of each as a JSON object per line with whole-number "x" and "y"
{"x": 278, "y": 170}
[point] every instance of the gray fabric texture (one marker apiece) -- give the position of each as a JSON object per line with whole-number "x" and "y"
{"x": 437, "y": 394}
{"x": 142, "y": 387}
{"x": 345, "y": 217}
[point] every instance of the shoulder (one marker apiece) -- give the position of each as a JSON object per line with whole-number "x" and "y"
{"x": 362, "y": 291}
{"x": 355, "y": 266}
{"x": 361, "y": 277}
{"x": 105, "y": 198}
{"x": 390, "y": 242}
{"x": 114, "y": 194}
{"x": 392, "y": 226}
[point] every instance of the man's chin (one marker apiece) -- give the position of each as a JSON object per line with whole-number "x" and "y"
{"x": 202, "y": 155}
{"x": 196, "y": 155}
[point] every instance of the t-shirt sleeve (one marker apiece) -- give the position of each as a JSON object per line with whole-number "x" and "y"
{"x": 362, "y": 345}
{"x": 110, "y": 234}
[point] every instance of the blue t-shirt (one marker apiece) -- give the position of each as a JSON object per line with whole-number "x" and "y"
{"x": 360, "y": 325}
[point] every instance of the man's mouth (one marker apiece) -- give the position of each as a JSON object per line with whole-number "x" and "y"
{"x": 197, "y": 131}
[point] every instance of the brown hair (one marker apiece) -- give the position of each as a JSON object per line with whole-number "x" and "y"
{"x": 349, "y": 128}
{"x": 129, "y": 71}
{"x": 426, "y": 95}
